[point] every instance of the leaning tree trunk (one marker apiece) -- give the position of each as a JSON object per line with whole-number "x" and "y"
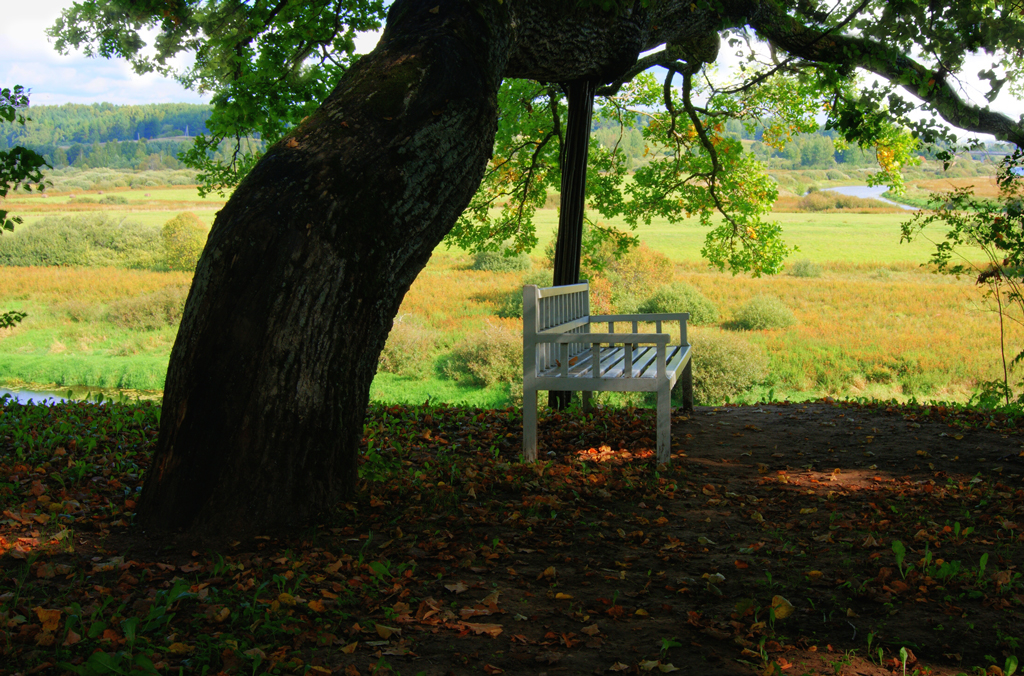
{"x": 305, "y": 269}
{"x": 307, "y": 264}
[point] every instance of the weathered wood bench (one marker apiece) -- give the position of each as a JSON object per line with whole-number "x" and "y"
{"x": 561, "y": 352}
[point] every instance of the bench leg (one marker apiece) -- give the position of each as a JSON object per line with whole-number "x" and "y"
{"x": 664, "y": 424}
{"x": 687, "y": 382}
{"x": 529, "y": 425}
{"x": 588, "y": 402}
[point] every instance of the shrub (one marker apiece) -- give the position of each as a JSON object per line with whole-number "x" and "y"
{"x": 79, "y": 310}
{"x": 764, "y": 312}
{"x": 497, "y": 261}
{"x": 409, "y": 347}
{"x": 682, "y": 298}
{"x": 510, "y": 306}
{"x": 113, "y": 199}
{"x": 489, "y": 357}
{"x": 184, "y": 237}
{"x": 805, "y": 268}
{"x": 95, "y": 240}
{"x": 827, "y": 200}
{"x": 724, "y": 365}
{"x": 152, "y": 311}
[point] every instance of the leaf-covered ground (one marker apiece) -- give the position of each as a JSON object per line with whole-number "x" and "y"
{"x": 783, "y": 539}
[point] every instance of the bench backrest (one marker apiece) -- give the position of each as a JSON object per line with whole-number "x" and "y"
{"x": 554, "y": 309}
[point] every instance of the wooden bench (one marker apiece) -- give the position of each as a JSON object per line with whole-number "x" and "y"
{"x": 562, "y": 352}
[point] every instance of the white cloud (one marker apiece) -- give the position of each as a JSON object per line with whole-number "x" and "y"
{"x": 28, "y": 58}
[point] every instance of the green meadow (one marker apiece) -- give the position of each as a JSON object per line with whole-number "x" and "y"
{"x": 869, "y": 320}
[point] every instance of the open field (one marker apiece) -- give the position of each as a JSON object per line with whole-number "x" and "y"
{"x": 874, "y": 323}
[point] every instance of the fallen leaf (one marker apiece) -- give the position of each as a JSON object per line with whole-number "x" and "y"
{"x": 387, "y": 632}
{"x": 561, "y": 596}
{"x": 549, "y": 572}
{"x": 315, "y": 606}
{"x": 619, "y": 666}
{"x": 49, "y": 618}
{"x": 458, "y": 587}
{"x": 492, "y": 630}
{"x": 592, "y": 630}
{"x": 350, "y": 648}
{"x": 782, "y": 607}
{"x": 179, "y": 648}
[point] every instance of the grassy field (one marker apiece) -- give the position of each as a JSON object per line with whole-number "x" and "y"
{"x": 873, "y": 324}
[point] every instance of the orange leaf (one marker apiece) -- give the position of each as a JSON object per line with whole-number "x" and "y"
{"x": 491, "y": 630}
{"x": 350, "y": 648}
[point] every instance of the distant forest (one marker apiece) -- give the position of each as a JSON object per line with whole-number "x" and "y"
{"x": 150, "y": 137}
{"x": 146, "y": 137}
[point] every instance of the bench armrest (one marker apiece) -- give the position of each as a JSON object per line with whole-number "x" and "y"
{"x": 633, "y": 338}
{"x": 651, "y": 317}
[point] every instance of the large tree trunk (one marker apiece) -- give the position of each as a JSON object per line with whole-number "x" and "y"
{"x": 307, "y": 265}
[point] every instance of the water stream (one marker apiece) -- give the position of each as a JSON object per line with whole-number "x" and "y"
{"x": 873, "y": 192}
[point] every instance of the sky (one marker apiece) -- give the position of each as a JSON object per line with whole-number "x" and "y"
{"x": 28, "y": 58}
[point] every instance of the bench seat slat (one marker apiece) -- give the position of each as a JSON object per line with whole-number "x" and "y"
{"x": 644, "y": 363}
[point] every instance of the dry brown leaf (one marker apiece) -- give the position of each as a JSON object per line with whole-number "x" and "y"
{"x": 387, "y": 632}
{"x": 492, "y": 630}
{"x": 49, "y": 618}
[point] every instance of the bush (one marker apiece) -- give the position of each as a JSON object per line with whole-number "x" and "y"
{"x": 632, "y": 277}
{"x": 184, "y": 237}
{"x": 79, "y": 310}
{"x": 682, "y": 298}
{"x": 805, "y": 268}
{"x": 510, "y": 306}
{"x": 113, "y": 199}
{"x": 724, "y": 365}
{"x": 95, "y": 240}
{"x": 827, "y": 200}
{"x": 152, "y": 311}
{"x": 409, "y": 347}
{"x": 490, "y": 357}
{"x": 764, "y": 312}
{"x": 497, "y": 261}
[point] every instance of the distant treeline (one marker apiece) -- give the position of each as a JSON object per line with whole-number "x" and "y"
{"x": 816, "y": 150}
{"x": 105, "y": 135}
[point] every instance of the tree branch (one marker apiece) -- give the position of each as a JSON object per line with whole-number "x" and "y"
{"x": 891, "y": 63}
